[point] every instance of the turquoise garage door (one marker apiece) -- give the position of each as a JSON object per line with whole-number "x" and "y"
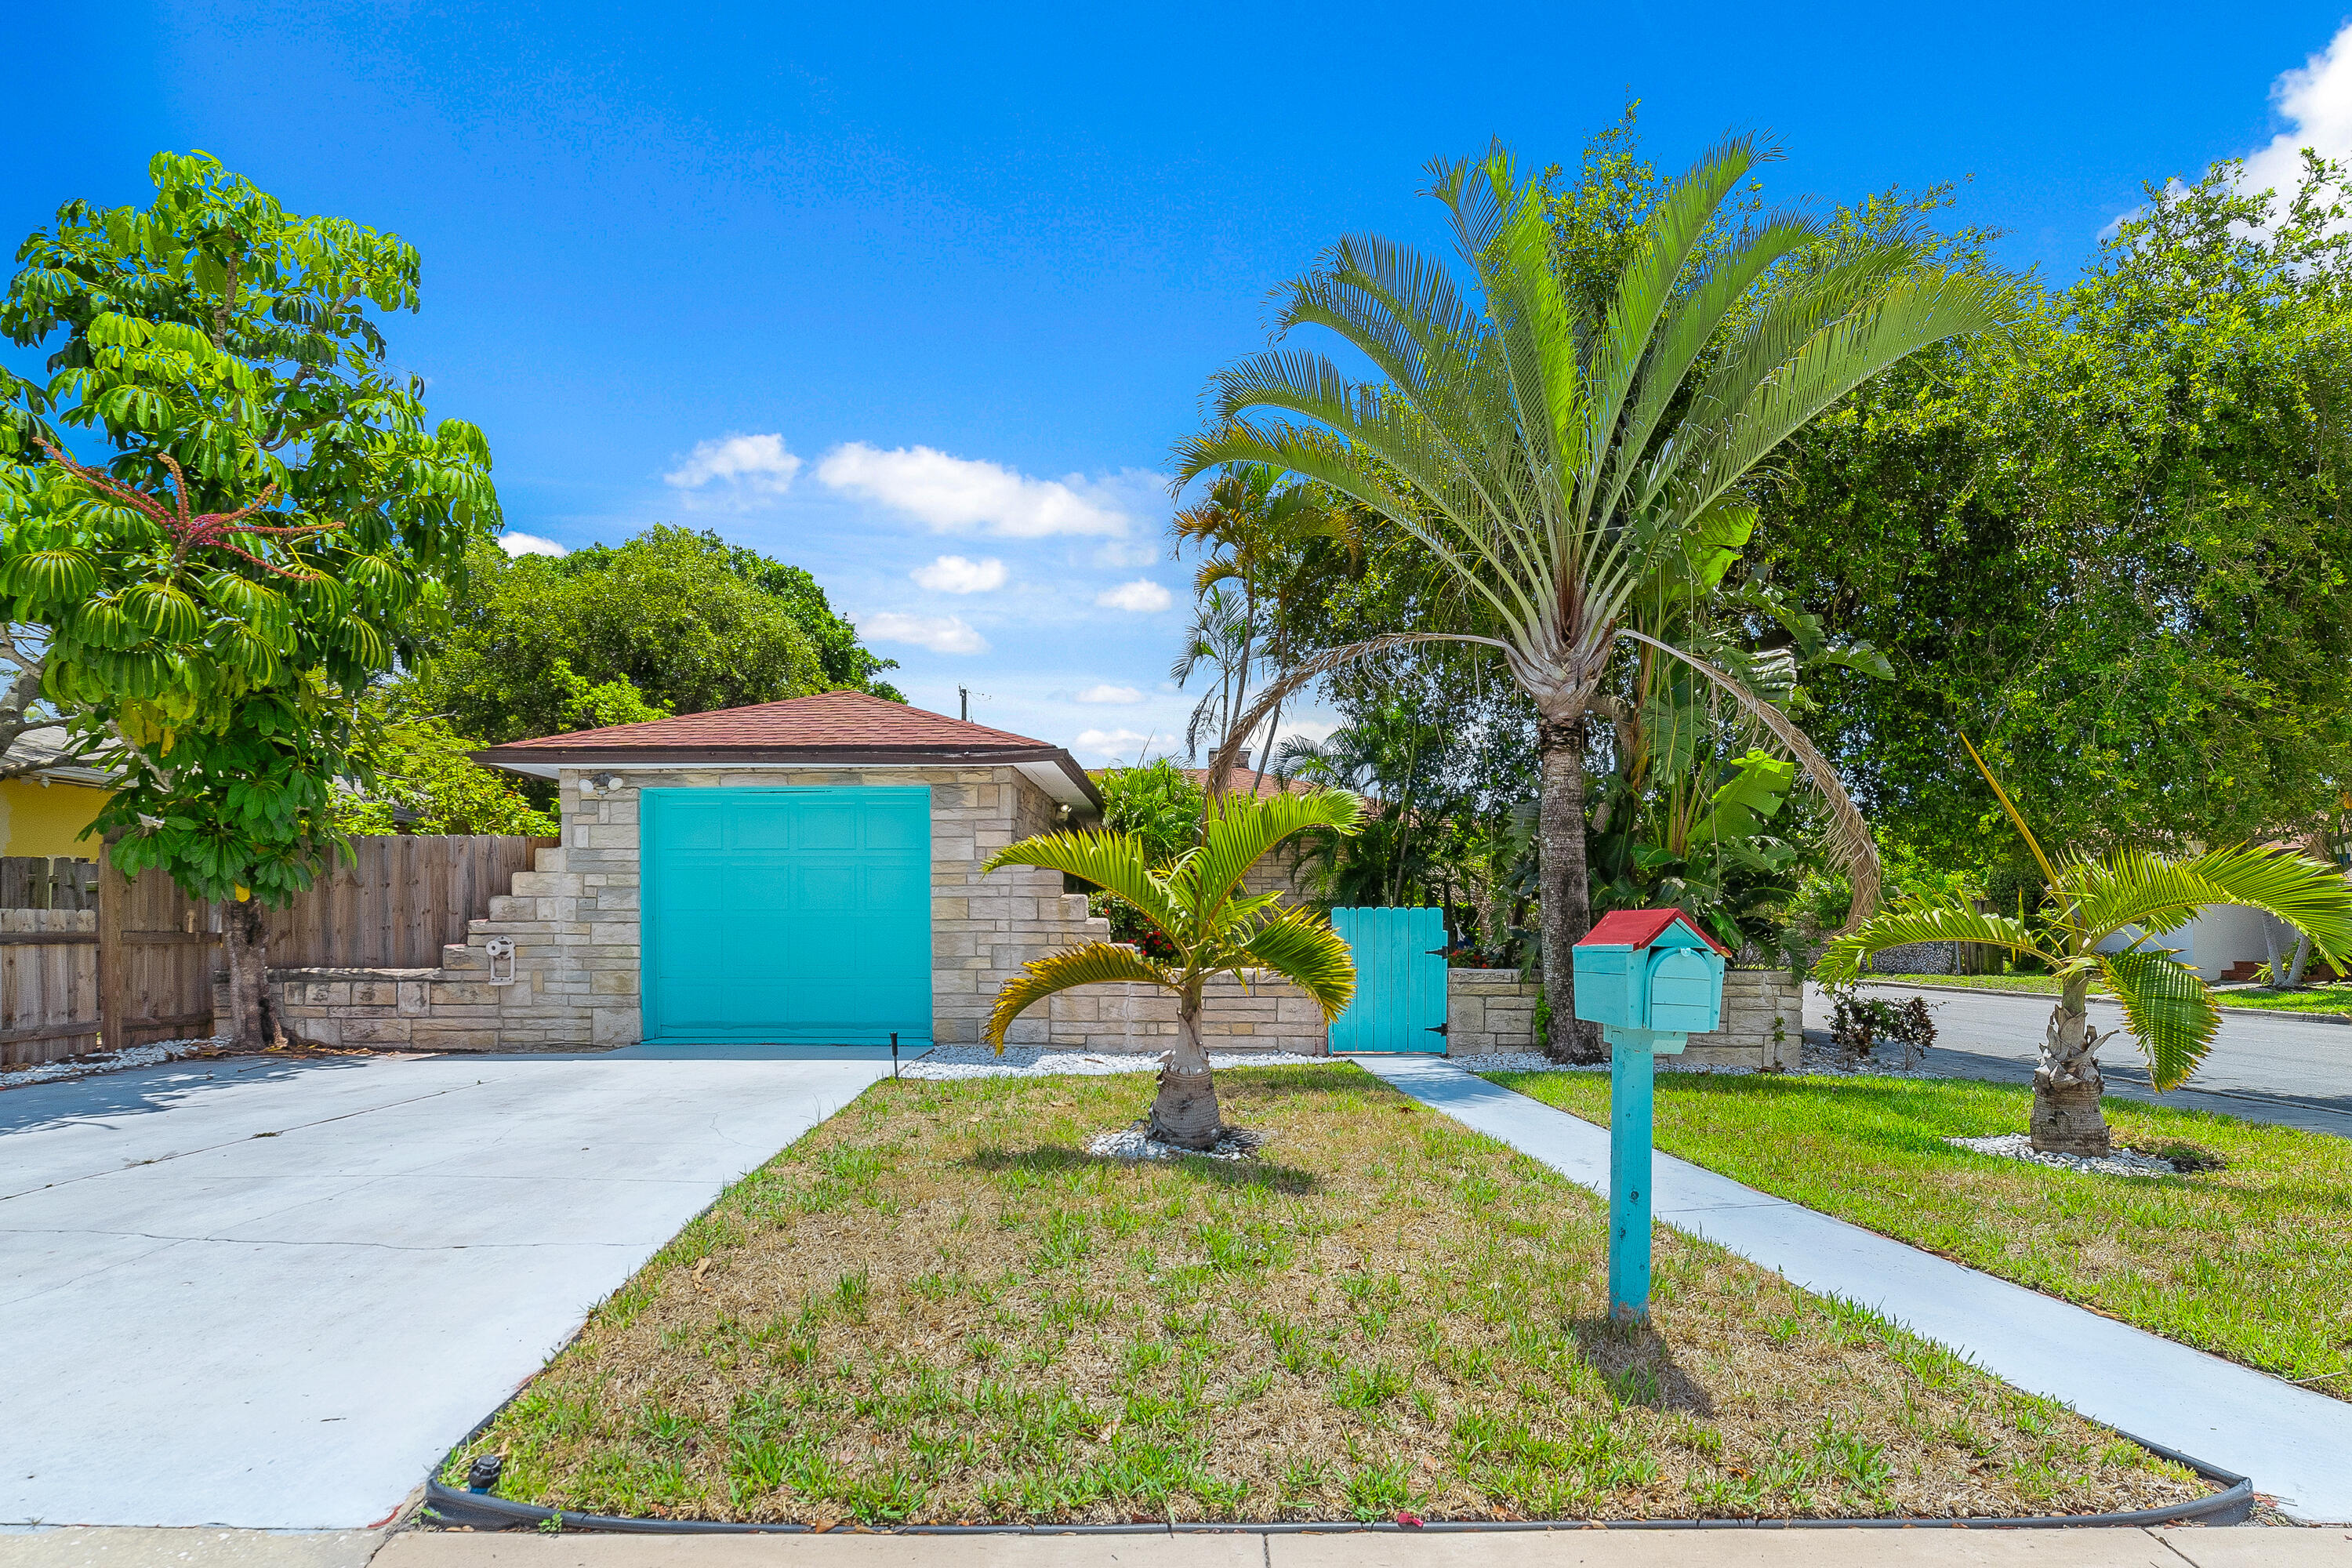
{"x": 798, "y": 916}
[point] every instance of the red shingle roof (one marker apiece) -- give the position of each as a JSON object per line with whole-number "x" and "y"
{"x": 835, "y": 728}
{"x": 1640, "y": 928}
{"x": 854, "y": 721}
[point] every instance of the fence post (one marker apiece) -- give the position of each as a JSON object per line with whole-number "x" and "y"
{"x": 114, "y": 892}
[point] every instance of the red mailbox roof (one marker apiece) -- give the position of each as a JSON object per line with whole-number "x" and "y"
{"x": 1640, "y": 928}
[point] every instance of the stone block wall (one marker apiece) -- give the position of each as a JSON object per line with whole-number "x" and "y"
{"x": 1492, "y": 1010}
{"x": 574, "y": 922}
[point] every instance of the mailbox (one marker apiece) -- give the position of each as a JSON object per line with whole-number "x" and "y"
{"x": 1651, "y": 970}
{"x": 1651, "y": 979}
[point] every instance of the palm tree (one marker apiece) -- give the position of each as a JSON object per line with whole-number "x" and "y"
{"x": 2121, "y": 901}
{"x": 1195, "y": 902}
{"x": 1256, "y": 530}
{"x": 1549, "y": 453}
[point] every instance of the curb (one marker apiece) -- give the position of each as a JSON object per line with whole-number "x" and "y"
{"x": 2047, "y": 996}
{"x": 2232, "y": 1505}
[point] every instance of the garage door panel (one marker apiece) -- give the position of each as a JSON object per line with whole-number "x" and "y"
{"x": 810, "y": 922}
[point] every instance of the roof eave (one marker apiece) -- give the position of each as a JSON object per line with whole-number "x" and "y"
{"x": 548, "y": 762}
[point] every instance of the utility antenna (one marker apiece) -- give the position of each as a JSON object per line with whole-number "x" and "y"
{"x": 964, "y": 694}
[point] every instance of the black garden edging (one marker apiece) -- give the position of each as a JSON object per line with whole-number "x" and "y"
{"x": 447, "y": 1505}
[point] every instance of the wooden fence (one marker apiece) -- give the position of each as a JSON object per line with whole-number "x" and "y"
{"x": 398, "y": 900}
{"x": 38, "y": 882}
{"x": 48, "y": 985}
{"x": 90, "y": 961}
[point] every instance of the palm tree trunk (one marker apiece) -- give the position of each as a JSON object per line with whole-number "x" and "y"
{"x": 1565, "y": 908}
{"x": 1185, "y": 1112}
{"x": 2067, "y": 1084}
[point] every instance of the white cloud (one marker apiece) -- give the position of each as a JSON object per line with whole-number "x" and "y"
{"x": 1116, "y": 554}
{"x": 940, "y": 633}
{"x": 2316, "y": 99}
{"x": 1108, "y": 693}
{"x": 950, "y": 493}
{"x": 515, "y": 543}
{"x": 1111, "y": 745}
{"x": 954, "y": 575}
{"x": 1143, "y": 596}
{"x": 736, "y": 472}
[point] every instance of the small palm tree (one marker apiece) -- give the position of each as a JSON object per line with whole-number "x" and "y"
{"x": 1195, "y": 902}
{"x": 2136, "y": 896}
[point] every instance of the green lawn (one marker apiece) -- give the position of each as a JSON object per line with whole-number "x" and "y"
{"x": 2041, "y": 985}
{"x": 938, "y": 1307}
{"x": 2337, "y": 998}
{"x": 2332, "y": 998}
{"x": 2253, "y": 1262}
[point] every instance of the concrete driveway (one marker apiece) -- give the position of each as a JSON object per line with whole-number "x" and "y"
{"x": 2294, "y": 1072}
{"x": 274, "y": 1294}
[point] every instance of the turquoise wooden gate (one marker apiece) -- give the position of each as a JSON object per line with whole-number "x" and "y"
{"x": 1399, "y": 1001}
{"x": 796, "y": 916}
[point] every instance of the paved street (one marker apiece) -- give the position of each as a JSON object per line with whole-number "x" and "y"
{"x": 2294, "y": 1072}
{"x": 274, "y": 1294}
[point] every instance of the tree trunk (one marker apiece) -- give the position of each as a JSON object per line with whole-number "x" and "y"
{"x": 2066, "y": 1083}
{"x": 1185, "y": 1111}
{"x": 253, "y": 1020}
{"x": 2302, "y": 957}
{"x": 1565, "y": 909}
{"x": 2273, "y": 953}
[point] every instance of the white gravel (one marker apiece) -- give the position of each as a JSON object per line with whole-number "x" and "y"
{"x": 978, "y": 1061}
{"x": 106, "y": 1061}
{"x": 2020, "y": 1146}
{"x": 1132, "y": 1143}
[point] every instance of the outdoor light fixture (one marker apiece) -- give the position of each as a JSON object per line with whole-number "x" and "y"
{"x": 501, "y": 950}
{"x": 601, "y": 784}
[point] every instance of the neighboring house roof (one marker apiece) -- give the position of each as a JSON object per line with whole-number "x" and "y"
{"x": 47, "y": 748}
{"x": 1640, "y": 928}
{"x": 833, "y": 729}
{"x": 1248, "y": 781}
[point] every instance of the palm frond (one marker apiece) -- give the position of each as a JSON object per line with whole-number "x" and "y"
{"x": 1096, "y": 963}
{"x": 1937, "y": 919}
{"x": 1302, "y": 948}
{"x": 1850, "y": 843}
{"x": 2312, "y": 897}
{"x": 1114, "y": 862}
{"x": 1239, "y": 831}
{"x": 2168, "y": 1008}
{"x": 2050, "y": 877}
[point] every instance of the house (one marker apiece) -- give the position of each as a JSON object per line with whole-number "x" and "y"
{"x": 799, "y": 871}
{"x": 807, "y": 872}
{"x": 43, "y": 809}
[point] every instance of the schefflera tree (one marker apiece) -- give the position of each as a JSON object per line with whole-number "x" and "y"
{"x": 269, "y": 528}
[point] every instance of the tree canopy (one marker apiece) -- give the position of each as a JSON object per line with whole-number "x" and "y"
{"x": 672, "y": 621}
{"x": 2113, "y": 549}
{"x": 265, "y": 525}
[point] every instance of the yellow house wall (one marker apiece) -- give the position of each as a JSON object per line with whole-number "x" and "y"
{"x": 38, "y": 821}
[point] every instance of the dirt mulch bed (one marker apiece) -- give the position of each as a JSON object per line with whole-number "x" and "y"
{"x": 937, "y": 1309}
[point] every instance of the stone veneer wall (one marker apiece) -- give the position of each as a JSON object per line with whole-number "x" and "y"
{"x": 573, "y": 921}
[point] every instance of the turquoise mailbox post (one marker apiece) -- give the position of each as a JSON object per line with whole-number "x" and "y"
{"x": 1651, "y": 979}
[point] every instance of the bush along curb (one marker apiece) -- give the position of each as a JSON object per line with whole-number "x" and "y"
{"x": 448, "y": 1506}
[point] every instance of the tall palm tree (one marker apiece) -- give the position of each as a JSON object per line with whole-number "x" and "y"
{"x": 1549, "y": 454}
{"x": 1196, "y": 902}
{"x": 1256, "y": 529}
{"x": 2100, "y": 919}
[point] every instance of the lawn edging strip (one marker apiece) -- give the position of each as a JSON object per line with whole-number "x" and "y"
{"x": 445, "y": 1504}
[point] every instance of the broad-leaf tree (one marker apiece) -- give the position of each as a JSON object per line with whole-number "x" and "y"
{"x": 688, "y": 621}
{"x": 1196, "y": 903}
{"x": 2101, "y": 918}
{"x": 1549, "y": 450}
{"x": 258, "y": 526}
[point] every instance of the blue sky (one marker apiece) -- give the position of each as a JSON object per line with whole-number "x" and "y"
{"x": 918, "y": 298}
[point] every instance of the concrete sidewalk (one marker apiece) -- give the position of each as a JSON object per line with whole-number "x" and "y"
{"x": 2237, "y": 1548}
{"x": 2296, "y": 1444}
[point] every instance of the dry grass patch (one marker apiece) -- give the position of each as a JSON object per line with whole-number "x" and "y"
{"x": 934, "y": 1308}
